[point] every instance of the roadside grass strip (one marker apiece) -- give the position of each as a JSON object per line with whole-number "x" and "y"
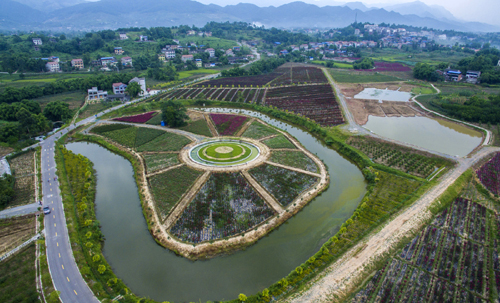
{"x": 156, "y": 162}
{"x": 226, "y": 205}
{"x": 279, "y": 142}
{"x": 295, "y": 159}
{"x": 18, "y": 276}
{"x": 166, "y": 142}
{"x": 168, "y": 187}
{"x": 257, "y": 130}
{"x": 199, "y": 127}
{"x": 285, "y": 185}
{"x": 453, "y": 259}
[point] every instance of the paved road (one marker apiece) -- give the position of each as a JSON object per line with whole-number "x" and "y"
{"x": 19, "y": 211}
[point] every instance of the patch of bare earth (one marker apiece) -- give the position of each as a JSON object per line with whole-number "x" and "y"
{"x": 15, "y": 231}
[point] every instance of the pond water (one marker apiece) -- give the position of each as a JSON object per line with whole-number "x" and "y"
{"x": 434, "y": 134}
{"x": 153, "y": 271}
{"x": 383, "y": 94}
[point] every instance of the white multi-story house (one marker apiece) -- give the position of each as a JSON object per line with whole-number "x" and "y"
{"x": 186, "y": 58}
{"x": 37, "y": 41}
{"x": 126, "y": 61}
{"x": 142, "y": 83}
{"x": 170, "y": 54}
{"x": 123, "y": 36}
{"x": 52, "y": 66}
{"x": 95, "y": 94}
{"x": 211, "y": 52}
{"x": 143, "y": 38}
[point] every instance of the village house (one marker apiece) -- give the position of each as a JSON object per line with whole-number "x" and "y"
{"x": 229, "y": 53}
{"x": 161, "y": 57}
{"x": 126, "y": 61}
{"x": 191, "y": 33}
{"x": 107, "y": 60}
{"x": 123, "y": 36}
{"x": 119, "y": 88}
{"x": 236, "y": 48}
{"x": 52, "y": 66}
{"x": 170, "y": 54}
{"x": 142, "y": 84}
{"x": 143, "y": 38}
{"x": 95, "y": 94}
{"x": 54, "y": 59}
{"x": 37, "y": 41}
{"x": 211, "y": 52}
{"x": 199, "y": 63}
{"x": 77, "y": 63}
{"x": 118, "y": 51}
{"x": 186, "y": 58}
{"x": 453, "y": 75}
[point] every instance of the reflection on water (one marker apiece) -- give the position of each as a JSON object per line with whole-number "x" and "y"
{"x": 152, "y": 271}
{"x": 433, "y": 134}
{"x": 383, "y": 94}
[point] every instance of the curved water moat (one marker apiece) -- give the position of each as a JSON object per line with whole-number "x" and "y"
{"x": 153, "y": 271}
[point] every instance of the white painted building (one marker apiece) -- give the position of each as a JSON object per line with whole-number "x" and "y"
{"x": 52, "y": 66}
{"x": 142, "y": 83}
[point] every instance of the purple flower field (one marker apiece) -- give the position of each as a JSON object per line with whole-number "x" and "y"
{"x": 142, "y": 118}
{"x": 489, "y": 174}
{"x": 228, "y": 125}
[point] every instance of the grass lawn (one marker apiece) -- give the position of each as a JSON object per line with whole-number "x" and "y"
{"x": 165, "y": 142}
{"x": 295, "y": 159}
{"x": 75, "y": 99}
{"x": 257, "y": 130}
{"x": 17, "y": 277}
{"x": 360, "y": 77}
{"x": 200, "y": 71}
{"x": 423, "y": 90}
{"x": 169, "y": 187}
{"x": 335, "y": 64}
{"x": 199, "y": 127}
{"x": 279, "y": 142}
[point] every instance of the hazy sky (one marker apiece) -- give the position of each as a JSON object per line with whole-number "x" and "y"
{"x": 478, "y": 10}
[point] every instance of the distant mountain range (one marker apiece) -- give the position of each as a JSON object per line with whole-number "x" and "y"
{"x": 62, "y": 15}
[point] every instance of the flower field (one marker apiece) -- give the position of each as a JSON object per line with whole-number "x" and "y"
{"x": 316, "y": 102}
{"x": 226, "y": 205}
{"x": 257, "y": 130}
{"x": 22, "y": 168}
{"x": 199, "y": 127}
{"x": 295, "y": 159}
{"x": 166, "y": 142}
{"x": 489, "y": 174}
{"x": 285, "y": 185}
{"x": 145, "y": 135}
{"x": 168, "y": 187}
{"x": 124, "y": 136}
{"x": 387, "y": 67}
{"x": 242, "y": 95}
{"x": 449, "y": 261}
{"x": 228, "y": 125}
{"x": 279, "y": 141}
{"x": 251, "y": 81}
{"x": 399, "y": 157}
{"x": 142, "y": 118}
{"x": 298, "y": 75}
{"x": 156, "y": 162}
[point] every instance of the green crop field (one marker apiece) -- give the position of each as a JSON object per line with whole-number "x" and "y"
{"x": 166, "y": 142}
{"x": 199, "y": 127}
{"x": 360, "y": 77}
{"x": 257, "y": 130}
{"x": 279, "y": 141}
{"x": 75, "y": 99}
{"x": 145, "y": 135}
{"x": 168, "y": 187}
{"x": 295, "y": 159}
{"x": 125, "y": 136}
{"x": 156, "y": 162}
{"x": 194, "y": 72}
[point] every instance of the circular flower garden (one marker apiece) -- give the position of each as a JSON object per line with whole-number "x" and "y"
{"x": 224, "y": 153}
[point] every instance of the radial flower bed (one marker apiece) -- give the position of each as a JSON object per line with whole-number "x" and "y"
{"x": 295, "y": 159}
{"x": 257, "y": 130}
{"x": 226, "y": 205}
{"x": 142, "y": 118}
{"x": 285, "y": 185}
{"x": 228, "y": 125}
{"x": 489, "y": 174}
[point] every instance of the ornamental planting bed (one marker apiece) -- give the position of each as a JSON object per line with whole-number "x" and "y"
{"x": 317, "y": 102}
{"x": 142, "y": 118}
{"x": 295, "y": 159}
{"x": 228, "y": 125}
{"x": 257, "y": 130}
{"x": 226, "y": 205}
{"x": 445, "y": 263}
{"x": 156, "y": 162}
{"x": 299, "y": 75}
{"x": 285, "y": 185}
{"x": 279, "y": 141}
{"x": 489, "y": 174}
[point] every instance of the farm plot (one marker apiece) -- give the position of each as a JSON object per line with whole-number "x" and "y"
{"x": 124, "y": 136}
{"x": 317, "y": 102}
{"x": 299, "y": 75}
{"x": 166, "y": 142}
{"x": 441, "y": 264}
{"x": 199, "y": 127}
{"x": 156, "y": 162}
{"x": 18, "y": 277}
{"x": 251, "y": 81}
{"x": 387, "y": 67}
{"x": 14, "y": 231}
{"x": 22, "y": 168}
{"x": 168, "y": 187}
{"x": 489, "y": 174}
{"x": 285, "y": 185}
{"x": 257, "y": 130}
{"x": 295, "y": 159}
{"x": 279, "y": 141}
{"x": 226, "y": 205}
{"x": 142, "y": 118}
{"x": 145, "y": 135}
{"x": 405, "y": 159}
{"x": 228, "y": 125}
{"x": 101, "y": 129}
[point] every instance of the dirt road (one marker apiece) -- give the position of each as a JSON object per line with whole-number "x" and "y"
{"x": 341, "y": 275}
